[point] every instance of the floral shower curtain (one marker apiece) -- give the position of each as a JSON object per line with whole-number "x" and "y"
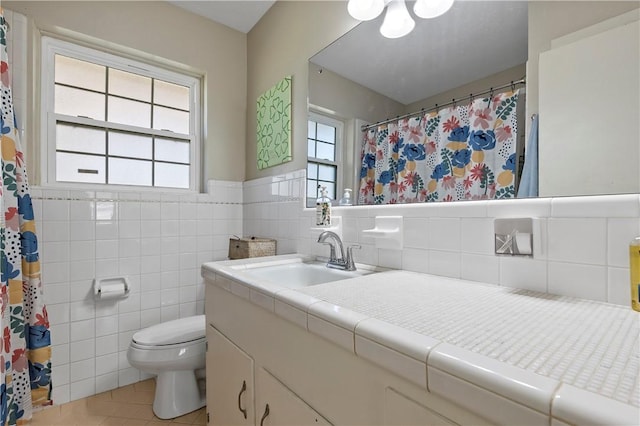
{"x": 25, "y": 346}
{"x": 459, "y": 153}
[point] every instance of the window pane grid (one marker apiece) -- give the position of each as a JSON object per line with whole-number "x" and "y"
{"x": 64, "y": 175}
{"x": 153, "y": 117}
{"x": 322, "y": 167}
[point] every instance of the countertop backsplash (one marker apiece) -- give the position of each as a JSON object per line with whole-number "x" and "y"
{"x": 583, "y": 246}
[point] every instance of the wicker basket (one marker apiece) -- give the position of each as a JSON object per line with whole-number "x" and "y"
{"x": 241, "y": 248}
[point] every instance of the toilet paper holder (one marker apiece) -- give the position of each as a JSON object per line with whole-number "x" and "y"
{"x": 111, "y": 288}
{"x": 514, "y": 236}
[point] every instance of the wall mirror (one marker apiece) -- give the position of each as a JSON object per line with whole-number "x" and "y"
{"x": 365, "y": 78}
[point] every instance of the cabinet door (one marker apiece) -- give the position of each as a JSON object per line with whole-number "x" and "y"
{"x": 229, "y": 382}
{"x": 277, "y": 405}
{"x": 400, "y": 410}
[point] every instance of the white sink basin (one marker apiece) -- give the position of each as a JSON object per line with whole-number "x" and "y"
{"x": 300, "y": 274}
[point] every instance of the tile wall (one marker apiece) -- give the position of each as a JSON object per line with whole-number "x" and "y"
{"x": 156, "y": 240}
{"x": 582, "y": 250}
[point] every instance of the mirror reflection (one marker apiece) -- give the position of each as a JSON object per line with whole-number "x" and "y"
{"x": 464, "y": 62}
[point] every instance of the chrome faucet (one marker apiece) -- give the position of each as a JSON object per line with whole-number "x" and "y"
{"x": 345, "y": 261}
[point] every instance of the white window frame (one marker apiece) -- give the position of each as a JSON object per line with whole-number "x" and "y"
{"x": 48, "y": 118}
{"x": 340, "y": 138}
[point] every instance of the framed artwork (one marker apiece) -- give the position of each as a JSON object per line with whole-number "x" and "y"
{"x": 274, "y": 125}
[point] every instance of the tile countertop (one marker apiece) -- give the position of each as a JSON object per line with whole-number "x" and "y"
{"x": 513, "y": 356}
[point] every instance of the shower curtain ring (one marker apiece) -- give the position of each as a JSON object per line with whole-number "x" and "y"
{"x": 513, "y": 86}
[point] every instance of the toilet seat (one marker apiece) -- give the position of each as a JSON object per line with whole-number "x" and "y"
{"x": 175, "y": 332}
{"x": 189, "y": 343}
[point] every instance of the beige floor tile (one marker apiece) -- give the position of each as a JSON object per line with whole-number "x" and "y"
{"x": 127, "y": 406}
{"x": 202, "y": 417}
{"x": 145, "y": 385}
{"x": 187, "y": 419}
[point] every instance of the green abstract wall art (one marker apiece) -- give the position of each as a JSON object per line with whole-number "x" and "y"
{"x": 274, "y": 125}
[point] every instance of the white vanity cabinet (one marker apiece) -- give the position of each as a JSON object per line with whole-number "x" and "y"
{"x": 231, "y": 390}
{"x": 229, "y": 382}
{"x": 277, "y": 405}
{"x": 402, "y": 411}
{"x": 305, "y": 379}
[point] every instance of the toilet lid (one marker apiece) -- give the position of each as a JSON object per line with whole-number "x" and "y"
{"x": 172, "y": 332}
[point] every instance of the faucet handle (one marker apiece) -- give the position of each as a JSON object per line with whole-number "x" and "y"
{"x": 351, "y": 265}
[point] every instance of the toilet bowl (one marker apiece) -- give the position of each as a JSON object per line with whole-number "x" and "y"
{"x": 175, "y": 352}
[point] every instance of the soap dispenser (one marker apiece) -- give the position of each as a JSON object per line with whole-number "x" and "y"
{"x": 323, "y": 208}
{"x": 346, "y": 198}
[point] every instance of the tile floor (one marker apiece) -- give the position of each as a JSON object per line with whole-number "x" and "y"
{"x": 127, "y": 406}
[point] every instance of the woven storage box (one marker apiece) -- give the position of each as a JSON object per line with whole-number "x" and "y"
{"x": 241, "y": 248}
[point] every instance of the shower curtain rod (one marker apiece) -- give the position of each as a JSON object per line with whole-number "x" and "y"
{"x": 437, "y": 106}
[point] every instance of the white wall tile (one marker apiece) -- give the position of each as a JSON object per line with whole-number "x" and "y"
{"x": 129, "y": 211}
{"x": 57, "y": 272}
{"x": 106, "y": 326}
{"x": 477, "y": 235}
{"x": 444, "y": 233}
{"x": 620, "y": 232}
{"x": 149, "y": 211}
{"x": 82, "y": 250}
{"x": 445, "y": 263}
{"x": 82, "y": 370}
{"x": 82, "y": 211}
{"x": 480, "y": 268}
{"x": 106, "y": 229}
{"x": 129, "y": 228}
{"x": 584, "y": 281}
{"x": 61, "y": 394}
{"x": 525, "y": 273}
{"x": 596, "y": 206}
{"x": 415, "y": 234}
{"x": 54, "y": 252}
{"x": 618, "y": 286}
{"x": 82, "y": 330}
{"x": 82, "y": 350}
{"x": 82, "y": 270}
{"x": 106, "y": 344}
{"x": 149, "y": 317}
{"x": 577, "y": 240}
{"x": 82, "y": 230}
{"x": 106, "y": 364}
{"x": 415, "y": 260}
{"x": 56, "y": 293}
{"x": 60, "y": 354}
{"x": 150, "y": 228}
{"x": 82, "y": 389}
{"x": 55, "y": 230}
{"x": 55, "y": 210}
{"x": 106, "y": 382}
{"x": 531, "y": 207}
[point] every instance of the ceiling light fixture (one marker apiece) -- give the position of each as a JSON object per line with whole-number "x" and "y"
{"x": 397, "y": 21}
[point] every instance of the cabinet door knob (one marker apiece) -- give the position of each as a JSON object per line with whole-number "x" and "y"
{"x": 242, "y": 410}
{"x": 264, "y": 416}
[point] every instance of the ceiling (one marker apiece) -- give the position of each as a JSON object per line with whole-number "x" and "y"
{"x": 474, "y": 39}
{"x": 240, "y": 15}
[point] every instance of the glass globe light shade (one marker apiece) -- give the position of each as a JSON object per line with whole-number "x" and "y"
{"x": 365, "y": 10}
{"x": 397, "y": 22}
{"x": 431, "y": 8}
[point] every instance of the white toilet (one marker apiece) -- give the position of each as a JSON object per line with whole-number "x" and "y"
{"x": 175, "y": 352}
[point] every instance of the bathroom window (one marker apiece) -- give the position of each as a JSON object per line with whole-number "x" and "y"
{"x": 110, "y": 120}
{"x": 323, "y": 156}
